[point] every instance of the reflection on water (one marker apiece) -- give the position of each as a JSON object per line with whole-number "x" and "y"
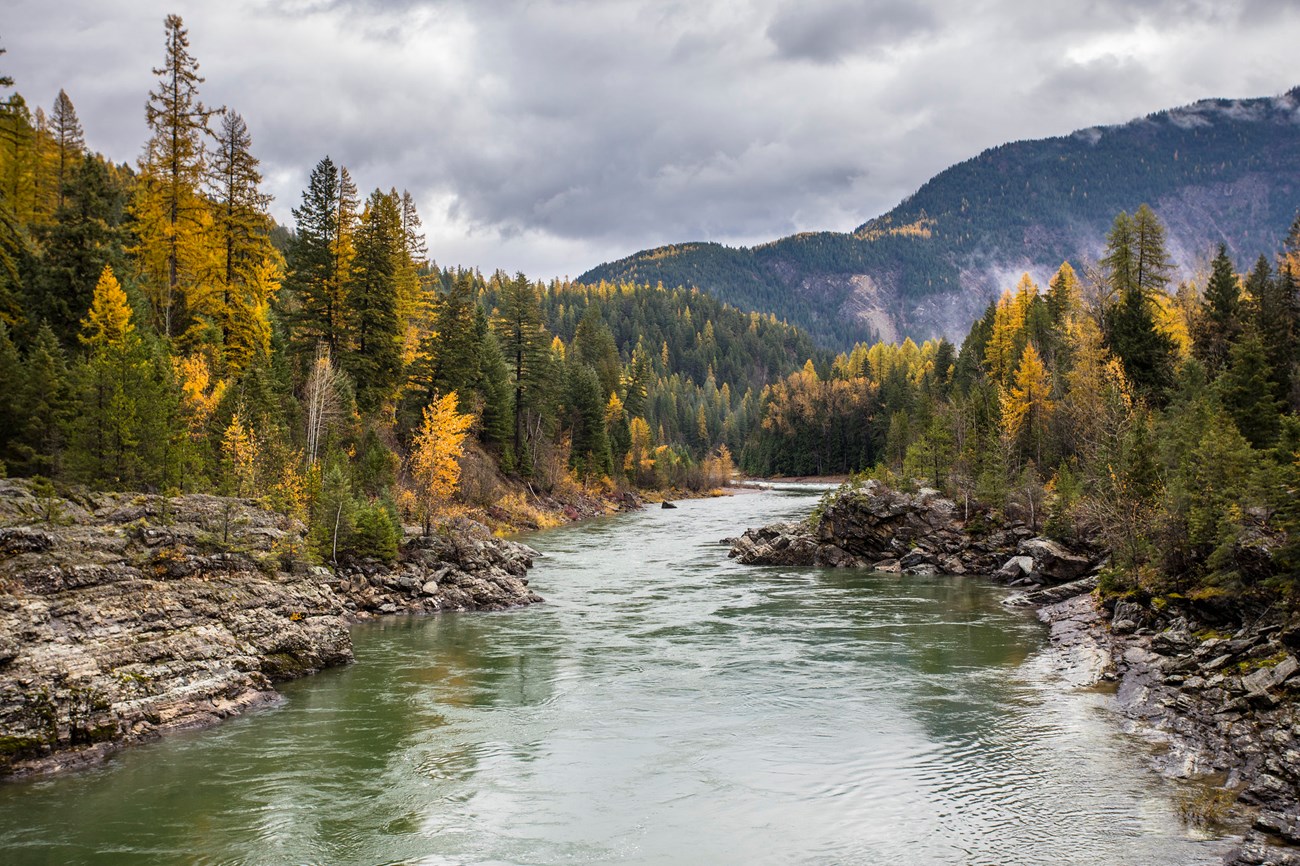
{"x": 666, "y": 706}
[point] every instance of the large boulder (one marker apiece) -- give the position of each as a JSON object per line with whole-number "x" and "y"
{"x": 1053, "y": 562}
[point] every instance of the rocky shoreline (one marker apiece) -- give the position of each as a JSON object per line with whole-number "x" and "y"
{"x": 1220, "y": 708}
{"x": 126, "y": 616}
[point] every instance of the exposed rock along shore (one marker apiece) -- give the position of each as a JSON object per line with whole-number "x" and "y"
{"x": 1221, "y": 708}
{"x": 128, "y": 616}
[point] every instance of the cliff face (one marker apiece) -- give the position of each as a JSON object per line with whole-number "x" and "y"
{"x": 122, "y": 617}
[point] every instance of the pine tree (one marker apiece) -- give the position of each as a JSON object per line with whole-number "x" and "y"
{"x": 85, "y": 236}
{"x": 593, "y": 345}
{"x": 319, "y": 261}
{"x": 1218, "y": 321}
{"x": 589, "y": 454}
{"x": 1247, "y": 392}
{"x": 1137, "y": 270}
{"x": 173, "y": 221}
{"x": 524, "y": 342}
{"x": 374, "y": 361}
{"x": 46, "y": 402}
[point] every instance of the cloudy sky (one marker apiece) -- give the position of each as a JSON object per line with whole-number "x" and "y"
{"x": 551, "y": 135}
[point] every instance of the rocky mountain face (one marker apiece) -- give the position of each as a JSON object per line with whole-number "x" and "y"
{"x": 1216, "y": 171}
{"x": 124, "y": 616}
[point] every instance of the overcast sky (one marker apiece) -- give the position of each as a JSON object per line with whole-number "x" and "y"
{"x": 549, "y": 136}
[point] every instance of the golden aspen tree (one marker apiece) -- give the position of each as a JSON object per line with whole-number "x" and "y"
{"x": 434, "y": 463}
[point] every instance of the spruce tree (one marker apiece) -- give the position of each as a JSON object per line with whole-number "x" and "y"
{"x": 1218, "y": 321}
{"x": 525, "y": 344}
{"x": 46, "y": 402}
{"x": 374, "y": 360}
{"x": 1246, "y": 391}
{"x": 316, "y": 276}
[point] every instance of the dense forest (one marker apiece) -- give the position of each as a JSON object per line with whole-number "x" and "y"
{"x": 159, "y": 332}
{"x": 1155, "y": 422}
{"x": 1221, "y": 170}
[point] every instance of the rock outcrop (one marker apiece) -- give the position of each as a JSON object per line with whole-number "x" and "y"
{"x": 123, "y": 616}
{"x": 870, "y": 526}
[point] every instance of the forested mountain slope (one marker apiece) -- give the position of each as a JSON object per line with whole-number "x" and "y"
{"x": 1216, "y": 171}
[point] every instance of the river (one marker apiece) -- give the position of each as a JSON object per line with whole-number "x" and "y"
{"x": 666, "y": 706}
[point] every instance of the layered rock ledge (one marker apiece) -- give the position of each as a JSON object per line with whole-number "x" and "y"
{"x": 123, "y": 617}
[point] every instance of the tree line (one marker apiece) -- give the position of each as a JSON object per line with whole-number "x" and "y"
{"x": 1156, "y": 422}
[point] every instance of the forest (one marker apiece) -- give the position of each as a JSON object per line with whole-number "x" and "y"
{"x": 1154, "y": 422}
{"x": 159, "y": 332}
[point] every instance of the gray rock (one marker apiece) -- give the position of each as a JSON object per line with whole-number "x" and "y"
{"x": 1052, "y": 562}
{"x": 1015, "y": 568}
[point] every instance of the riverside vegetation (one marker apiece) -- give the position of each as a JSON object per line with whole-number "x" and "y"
{"x": 160, "y": 334}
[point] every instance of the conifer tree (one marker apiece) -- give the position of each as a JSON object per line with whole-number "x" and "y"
{"x": 1247, "y": 392}
{"x": 593, "y": 345}
{"x": 173, "y": 221}
{"x": 69, "y": 143}
{"x": 85, "y": 236}
{"x": 1218, "y": 321}
{"x": 319, "y": 260}
{"x": 524, "y": 342}
{"x": 248, "y": 272}
{"x": 374, "y": 359}
{"x": 46, "y": 402}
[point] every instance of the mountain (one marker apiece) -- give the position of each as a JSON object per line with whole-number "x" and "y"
{"x": 1215, "y": 171}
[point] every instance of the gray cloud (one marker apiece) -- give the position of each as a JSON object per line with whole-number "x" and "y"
{"x": 827, "y": 31}
{"x": 550, "y": 135}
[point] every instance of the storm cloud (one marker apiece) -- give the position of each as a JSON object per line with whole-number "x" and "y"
{"x": 548, "y": 136}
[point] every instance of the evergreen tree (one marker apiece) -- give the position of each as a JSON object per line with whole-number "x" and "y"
{"x": 524, "y": 342}
{"x": 46, "y": 402}
{"x": 589, "y": 454}
{"x": 1247, "y": 392}
{"x": 374, "y": 361}
{"x": 86, "y": 235}
{"x": 593, "y": 345}
{"x": 1275, "y": 312}
{"x": 1218, "y": 322}
{"x": 319, "y": 260}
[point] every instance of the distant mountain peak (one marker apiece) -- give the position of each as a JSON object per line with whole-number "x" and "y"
{"x": 1216, "y": 171}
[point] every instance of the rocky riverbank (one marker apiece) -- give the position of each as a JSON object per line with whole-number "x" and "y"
{"x": 1219, "y": 706}
{"x": 867, "y": 525}
{"x": 125, "y": 616}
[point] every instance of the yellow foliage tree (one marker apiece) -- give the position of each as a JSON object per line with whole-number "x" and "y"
{"x": 108, "y": 323}
{"x": 435, "y": 456}
{"x": 200, "y": 394}
{"x": 239, "y": 447}
{"x": 1027, "y": 406}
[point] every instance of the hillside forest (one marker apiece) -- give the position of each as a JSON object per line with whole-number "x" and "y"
{"x": 159, "y": 332}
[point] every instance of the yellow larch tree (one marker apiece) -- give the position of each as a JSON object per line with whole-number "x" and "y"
{"x": 434, "y": 463}
{"x": 1027, "y": 405}
{"x": 239, "y": 447}
{"x": 108, "y": 323}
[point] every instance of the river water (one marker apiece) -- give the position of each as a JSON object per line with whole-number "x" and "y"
{"x": 666, "y": 706}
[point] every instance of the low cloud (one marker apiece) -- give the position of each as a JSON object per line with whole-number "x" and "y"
{"x": 548, "y": 136}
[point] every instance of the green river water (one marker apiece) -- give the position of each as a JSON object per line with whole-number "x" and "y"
{"x": 666, "y": 706}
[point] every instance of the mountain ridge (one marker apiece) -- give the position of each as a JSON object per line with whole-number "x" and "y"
{"x": 1215, "y": 170}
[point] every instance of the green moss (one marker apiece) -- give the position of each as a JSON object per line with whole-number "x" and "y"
{"x": 12, "y": 748}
